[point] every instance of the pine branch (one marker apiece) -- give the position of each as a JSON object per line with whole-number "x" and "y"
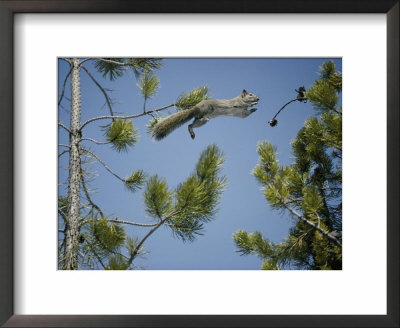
{"x": 63, "y": 126}
{"x": 144, "y": 105}
{"x": 83, "y": 182}
{"x": 139, "y": 245}
{"x": 125, "y": 222}
{"x": 63, "y": 89}
{"x": 132, "y": 223}
{"x": 326, "y": 207}
{"x": 337, "y": 111}
{"x": 124, "y": 117}
{"x": 97, "y": 142}
{"x": 61, "y": 245}
{"x": 97, "y": 256}
{"x": 63, "y": 145}
{"x": 63, "y": 215}
{"x": 108, "y": 99}
{"x": 299, "y": 238}
{"x": 62, "y": 153}
{"x": 85, "y": 60}
{"x": 108, "y": 61}
{"x": 65, "y": 60}
{"x": 104, "y": 164}
{"x": 325, "y": 233}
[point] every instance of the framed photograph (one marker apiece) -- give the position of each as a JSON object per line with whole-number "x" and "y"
{"x": 192, "y": 155}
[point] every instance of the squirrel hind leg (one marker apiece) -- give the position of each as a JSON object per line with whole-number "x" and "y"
{"x": 198, "y": 122}
{"x": 192, "y": 135}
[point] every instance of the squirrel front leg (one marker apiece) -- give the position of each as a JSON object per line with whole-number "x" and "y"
{"x": 246, "y": 112}
{"x": 251, "y": 111}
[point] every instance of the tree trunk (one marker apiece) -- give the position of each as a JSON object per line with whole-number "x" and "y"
{"x": 73, "y": 213}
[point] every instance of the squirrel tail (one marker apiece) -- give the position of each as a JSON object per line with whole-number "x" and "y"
{"x": 169, "y": 124}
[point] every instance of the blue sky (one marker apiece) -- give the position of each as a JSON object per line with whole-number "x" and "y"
{"x": 242, "y": 204}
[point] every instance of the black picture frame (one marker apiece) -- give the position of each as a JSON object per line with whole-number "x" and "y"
{"x": 7, "y": 10}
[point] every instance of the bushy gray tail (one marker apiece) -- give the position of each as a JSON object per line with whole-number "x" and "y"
{"x": 169, "y": 124}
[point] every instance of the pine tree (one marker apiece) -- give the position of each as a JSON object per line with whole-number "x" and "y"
{"x": 309, "y": 190}
{"x": 89, "y": 238}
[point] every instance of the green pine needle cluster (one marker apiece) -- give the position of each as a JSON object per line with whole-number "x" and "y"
{"x": 122, "y": 134}
{"x": 191, "y": 98}
{"x": 118, "y": 261}
{"x": 144, "y": 65}
{"x": 110, "y": 236}
{"x": 105, "y": 243}
{"x": 136, "y": 180}
{"x": 320, "y": 141}
{"x": 309, "y": 189}
{"x": 268, "y": 265}
{"x": 252, "y": 243}
{"x": 100, "y": 239}
{"x": 193, "y": 202}
{"x": 148, "y": 85}
{"x": 324, "y": 94}
{"x": 157, "y": 197}
{"x": 329, "y": 74}
{"x": 114, "y": 68}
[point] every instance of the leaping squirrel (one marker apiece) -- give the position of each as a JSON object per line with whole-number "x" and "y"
{"x": 204, "y": 111}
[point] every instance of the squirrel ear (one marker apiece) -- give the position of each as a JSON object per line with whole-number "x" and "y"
{"x": 244, "y": 92}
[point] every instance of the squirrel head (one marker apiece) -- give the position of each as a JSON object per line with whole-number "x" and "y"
{"x": 249, "y": 97}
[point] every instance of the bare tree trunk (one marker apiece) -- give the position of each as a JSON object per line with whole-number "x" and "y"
{"x": 73, "y": 213}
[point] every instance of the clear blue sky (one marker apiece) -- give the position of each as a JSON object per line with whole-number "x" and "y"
{"x": 242, "y": 205}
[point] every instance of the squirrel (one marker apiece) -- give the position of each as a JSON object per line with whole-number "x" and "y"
{"x": 204, "y": 111}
